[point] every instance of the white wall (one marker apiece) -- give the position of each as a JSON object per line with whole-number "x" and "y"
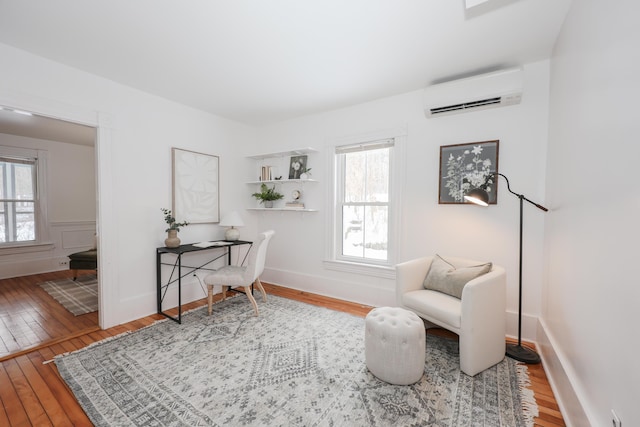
{"x": 139, "y": 130}
{"x": 591, "y": 297}
{"x": 298, "y": 248}
{"x": 71, "y": 205}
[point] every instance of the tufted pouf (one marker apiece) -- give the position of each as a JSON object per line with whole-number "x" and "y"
{"x": 394, "y": 345}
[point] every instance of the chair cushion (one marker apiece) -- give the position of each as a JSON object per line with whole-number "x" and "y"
{"x": 434, "y": 305}
{"x": 449, "y": 279}
{"x": 229, "y": 275}
{"x": 91, "y": 255}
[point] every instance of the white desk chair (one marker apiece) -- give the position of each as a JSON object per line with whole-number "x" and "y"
{"x": 231, "y": 276}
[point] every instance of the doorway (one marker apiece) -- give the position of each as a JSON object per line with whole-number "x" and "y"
{"x": 28, "y": 315}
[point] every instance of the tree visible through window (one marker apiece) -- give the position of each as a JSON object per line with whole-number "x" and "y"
{"x": 363, "y": 201}
{"x": 17, "y": 199}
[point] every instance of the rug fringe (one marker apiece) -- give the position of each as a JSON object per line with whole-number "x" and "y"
{"x": 527, "y": 397}
{"x": 102, "y": 341}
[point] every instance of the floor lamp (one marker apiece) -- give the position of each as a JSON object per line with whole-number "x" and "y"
{"x": 480, "y": 196}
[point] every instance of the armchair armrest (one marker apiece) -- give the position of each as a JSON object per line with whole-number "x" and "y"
{"x": 410, "y": 276}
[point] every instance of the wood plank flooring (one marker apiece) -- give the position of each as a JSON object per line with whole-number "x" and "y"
{"x": 29, "y": 316}
{"x": 33, "y": 394}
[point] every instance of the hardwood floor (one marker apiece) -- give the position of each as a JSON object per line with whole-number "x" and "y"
{"x": 29, "y": 316}
{"x": 33, "y": 394}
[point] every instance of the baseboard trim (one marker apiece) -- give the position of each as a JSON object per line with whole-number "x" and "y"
{"x": 560, "y": 376}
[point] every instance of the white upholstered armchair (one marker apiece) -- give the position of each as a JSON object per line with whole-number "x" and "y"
{"x": 478, "y": 317}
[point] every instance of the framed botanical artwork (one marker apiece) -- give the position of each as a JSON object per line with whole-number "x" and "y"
{"x": 297, "y": 166}
{"x": 195, "y": 186}
{"x": 464, "y": 167}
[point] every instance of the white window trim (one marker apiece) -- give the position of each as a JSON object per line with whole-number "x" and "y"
{"x": 41, "y": 226}
{"x": 368, "y": 267}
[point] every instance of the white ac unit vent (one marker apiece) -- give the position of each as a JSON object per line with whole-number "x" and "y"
{"x": 496, "y": 89}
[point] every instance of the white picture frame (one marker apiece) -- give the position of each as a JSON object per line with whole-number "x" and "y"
{"x": 195, "y": 191}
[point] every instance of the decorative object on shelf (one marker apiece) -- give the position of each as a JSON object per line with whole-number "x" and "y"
{"x": 172, "y": 241}
{"x": 295, "y": 203}
{"x": 267, "y": 195}
{"x": 306, "y": 173}
{"x": 467, "y": 166}
{"x": 195, "y": 186}
{"x": 480, "y": 196}
{"x": 266, "y": 173}
{"x": 297, "y": 166}
{"x": 232, "y": 220}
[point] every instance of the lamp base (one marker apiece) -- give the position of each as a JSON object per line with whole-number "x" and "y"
{"x": 232, "y": 234}
{"x": 522, "y": 354}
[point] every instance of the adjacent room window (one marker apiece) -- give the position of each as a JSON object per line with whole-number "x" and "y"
{"x": 18, "y": 199}
{"x": 363, "y": 202}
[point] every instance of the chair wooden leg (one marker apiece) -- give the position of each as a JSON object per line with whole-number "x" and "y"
{"x": 210, "y": 299}
{"x": 247, "y": 290}
{"x": 224, "y": 292}
{"x": 261, "y": 289}
{"x": 75, "y": 274}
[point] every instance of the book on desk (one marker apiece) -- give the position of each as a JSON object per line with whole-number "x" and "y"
{"x": 210, "y": 244}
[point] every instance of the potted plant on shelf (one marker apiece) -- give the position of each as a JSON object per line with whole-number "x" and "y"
{"x": 306, "y": 173}
{"x": 267, "y": 195}
{"x": 172, "y": 241}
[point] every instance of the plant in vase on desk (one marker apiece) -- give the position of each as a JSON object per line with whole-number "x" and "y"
{"x": 172, "y": 241}
{"x": 267, "y": 195}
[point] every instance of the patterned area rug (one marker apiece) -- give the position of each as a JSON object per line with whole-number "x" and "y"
{"x": 79, "y": 296}
{"x": 295, "y": 365}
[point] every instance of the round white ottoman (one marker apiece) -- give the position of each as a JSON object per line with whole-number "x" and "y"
{"x": 394, "y": 345}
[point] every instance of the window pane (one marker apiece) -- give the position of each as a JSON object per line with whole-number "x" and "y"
{"x": 25, "y": 227}
{"x": 367, "y": 176}
{"x": 376, "y": 227}
{"x": 352, "y": 235}
{"x": 377, "y": 175}
{"x": 354, "y": 173}
{"x": 3, "y": 228}
{"x": 23, "y": 182}
{"x": 3, "y": 168}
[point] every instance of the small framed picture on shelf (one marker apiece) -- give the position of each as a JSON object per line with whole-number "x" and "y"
{"x": 297, "y": 166}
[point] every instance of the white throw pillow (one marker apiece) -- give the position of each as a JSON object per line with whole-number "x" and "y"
{"x": 445, "y": 277}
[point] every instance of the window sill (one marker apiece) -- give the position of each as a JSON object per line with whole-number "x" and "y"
{"x": 366, "y": 269}
{"x": 23, "y": 248}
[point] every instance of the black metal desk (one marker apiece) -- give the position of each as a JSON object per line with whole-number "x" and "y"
{"x": 176, "y": 271}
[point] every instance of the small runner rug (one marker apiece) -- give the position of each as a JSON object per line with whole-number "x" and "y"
{"x": 78, "y": 297}
{"x": 294, "y": 365}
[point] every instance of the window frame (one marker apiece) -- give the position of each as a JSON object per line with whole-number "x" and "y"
{"x": 40, "y": 206}
{"x": 334, "y": 258}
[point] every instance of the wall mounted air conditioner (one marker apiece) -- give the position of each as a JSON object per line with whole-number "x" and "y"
{"x": 496, "y": 89}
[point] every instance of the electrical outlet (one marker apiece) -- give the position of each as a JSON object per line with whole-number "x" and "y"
{"x": 64, "y": 262}
{"x": 615, "y": 421}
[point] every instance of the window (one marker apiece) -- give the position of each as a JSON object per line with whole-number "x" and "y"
{"x": 363, "y": 202}
{"x": 18, "y": 199}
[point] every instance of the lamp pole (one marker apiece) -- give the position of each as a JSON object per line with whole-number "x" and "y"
{"x": 480, "y": 196}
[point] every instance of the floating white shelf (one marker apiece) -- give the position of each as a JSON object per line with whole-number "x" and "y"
{"x": 297, "y": 152}
{"x": 283, "y": 181}
{"x": 282, "y": 209}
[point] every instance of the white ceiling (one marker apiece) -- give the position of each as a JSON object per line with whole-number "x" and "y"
{"x": 262, "y": 61}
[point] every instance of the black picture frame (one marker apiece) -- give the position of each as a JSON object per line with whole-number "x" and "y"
{"x": 467, "y": 166}
{"x": 297, "y": 166}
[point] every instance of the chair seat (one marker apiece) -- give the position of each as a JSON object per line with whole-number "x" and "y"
{"x": 90, "y": 255}
{"x": 229, "y": 275}
{"x": 441, "y": 307}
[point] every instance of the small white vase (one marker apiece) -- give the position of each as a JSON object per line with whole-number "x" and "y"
{"x": 268, "y": 203}
{"x": 304, "y": 176}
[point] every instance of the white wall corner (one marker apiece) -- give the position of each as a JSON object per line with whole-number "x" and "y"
{"x": 559, "y": 375}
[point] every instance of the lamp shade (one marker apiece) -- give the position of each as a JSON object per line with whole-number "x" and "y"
{"x": 477, "y": 196}
{"x": 232, "y": 219}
